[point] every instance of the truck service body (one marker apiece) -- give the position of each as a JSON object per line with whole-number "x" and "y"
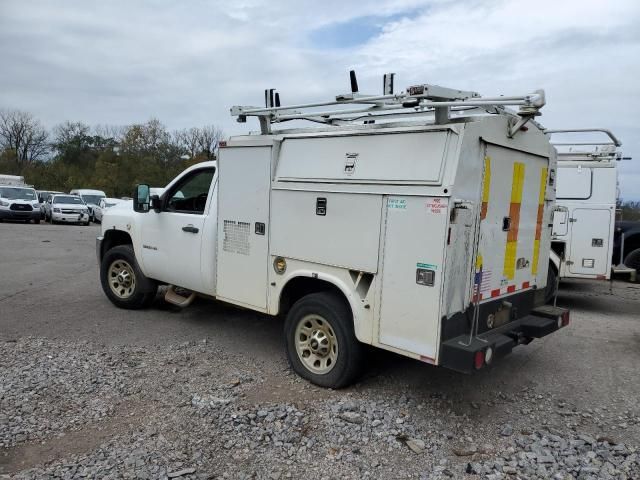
{"x": 427, "y": 238}
{"x": 584, "y": 216}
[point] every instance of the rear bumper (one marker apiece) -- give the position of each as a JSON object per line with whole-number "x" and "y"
{"x": 466, "y": 356}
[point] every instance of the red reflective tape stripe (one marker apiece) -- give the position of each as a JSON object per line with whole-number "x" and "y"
{"x": 525, "y": 285}
{"x": 495, "y": 293}
{"x": 428, "y": 359}
{"x": 511, "y": 288}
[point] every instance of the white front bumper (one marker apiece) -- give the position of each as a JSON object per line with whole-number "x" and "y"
{"x": 70, "y": 217}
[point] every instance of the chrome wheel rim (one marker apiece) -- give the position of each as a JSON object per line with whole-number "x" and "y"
{"x": 122, "y": 280}
{"x": 316, "y": 344}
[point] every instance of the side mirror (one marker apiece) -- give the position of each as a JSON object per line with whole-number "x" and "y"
{"x": 142, "y": 198}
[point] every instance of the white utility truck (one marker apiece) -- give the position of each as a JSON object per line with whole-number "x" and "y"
{"x": 586, "y": 194}
{"x": 416, "y": 222}
{"x": 12, "y": 180}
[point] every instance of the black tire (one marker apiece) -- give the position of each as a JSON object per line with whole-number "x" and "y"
{"x": 632, "y": 259}
{"x": 552, "y": 284}
{"x": 36, "y": 221}
{"x": 144, "y": 289}
{"x": 86, "y": 224}
{"x": 333, "y": 310}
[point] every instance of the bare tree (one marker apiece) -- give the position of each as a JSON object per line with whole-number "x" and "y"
{"x": 199, "y": 143}
{"x": 187, "y": 140}
{"x": 70, "y": 133}
{"x": 113, "y": 132}
{"x": 23, "y": 135}
{"x": 209, "y": 139}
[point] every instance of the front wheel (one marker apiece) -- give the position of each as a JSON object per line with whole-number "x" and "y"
{"x": 320, "y": 342}
{"x": 122, "y": 280}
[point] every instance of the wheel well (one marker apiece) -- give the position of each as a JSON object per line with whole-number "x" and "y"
{"x": 553, "y": 266}
{"x": 113, "y": 238}
{"x": 298, "y": 287}
{"x": 559, "y": 248}
{"x": 630, "y": 244}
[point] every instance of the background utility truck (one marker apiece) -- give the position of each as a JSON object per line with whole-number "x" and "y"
{"x": 586, "y": 194}
{"x": 428, "y": 238}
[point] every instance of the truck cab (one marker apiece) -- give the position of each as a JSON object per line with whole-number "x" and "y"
{"x": 426, "y": 238}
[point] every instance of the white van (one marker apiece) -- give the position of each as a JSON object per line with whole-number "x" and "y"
{"x": 90, "y": 197}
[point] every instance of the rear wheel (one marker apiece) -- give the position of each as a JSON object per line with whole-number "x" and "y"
{"x": 632, "y": 259}
{"x": 320, "y": 342}
{"x": 122, "y": 280}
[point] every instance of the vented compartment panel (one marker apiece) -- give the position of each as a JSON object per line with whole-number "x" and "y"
{"x": 236, "y": 237}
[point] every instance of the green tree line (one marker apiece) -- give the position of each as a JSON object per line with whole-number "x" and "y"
{"x": 110, "y": 158}
{"x": 629, "y": 210}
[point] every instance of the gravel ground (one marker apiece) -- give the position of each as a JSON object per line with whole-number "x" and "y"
{"x": 90, "y": 391}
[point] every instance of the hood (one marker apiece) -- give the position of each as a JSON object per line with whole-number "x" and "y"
{"x": 33, "y": 203}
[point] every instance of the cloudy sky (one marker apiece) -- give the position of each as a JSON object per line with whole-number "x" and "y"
{"x": 187, "y": 62}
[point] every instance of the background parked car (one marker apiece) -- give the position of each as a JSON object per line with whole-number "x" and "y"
{"x": 66, "y": 208}
{"x": 90, "y": 197}
{"x": 105, "y": 204}
{"x": 43, "y": 195}
{"x": 19, "y": 203}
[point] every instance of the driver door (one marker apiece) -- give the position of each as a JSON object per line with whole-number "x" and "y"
{"x": 172, "y": 239}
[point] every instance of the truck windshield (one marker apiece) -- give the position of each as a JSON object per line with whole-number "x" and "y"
{"x": 92, "y": 199}
{"x": 12, "y": 193}
{"x": 67, "y": 199}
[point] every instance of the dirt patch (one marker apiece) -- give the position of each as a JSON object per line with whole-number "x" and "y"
{"x": 72, "y": 442}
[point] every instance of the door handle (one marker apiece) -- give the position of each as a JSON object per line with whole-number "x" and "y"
{"x": 190, "y": 229}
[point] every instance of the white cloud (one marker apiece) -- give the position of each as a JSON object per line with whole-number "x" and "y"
{"x": 188, "y": 62}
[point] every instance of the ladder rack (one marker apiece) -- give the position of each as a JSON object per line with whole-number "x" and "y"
{"x": 598, "y": 151}
{"x": 416, "y": 100}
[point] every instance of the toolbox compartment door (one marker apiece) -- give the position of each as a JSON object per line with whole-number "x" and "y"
{"x": 589, "y": 247}
{"x": 243, "y": 220}
{"x": 412, "y": 273}
{"x": 401, "y": 158}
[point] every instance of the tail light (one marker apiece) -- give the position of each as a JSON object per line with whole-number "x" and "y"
{"x": 563, "y": 320}
{"x": 478, "y": 360}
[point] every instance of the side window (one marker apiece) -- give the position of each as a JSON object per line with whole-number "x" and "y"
{"x": 190, "y": 195}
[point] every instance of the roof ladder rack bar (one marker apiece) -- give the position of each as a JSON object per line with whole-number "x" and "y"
{"x": 607, "y": 132}
{"x": 422, "y": 99}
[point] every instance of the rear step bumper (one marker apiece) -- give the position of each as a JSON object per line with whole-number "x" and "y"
{"x": 463, "y": 356}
